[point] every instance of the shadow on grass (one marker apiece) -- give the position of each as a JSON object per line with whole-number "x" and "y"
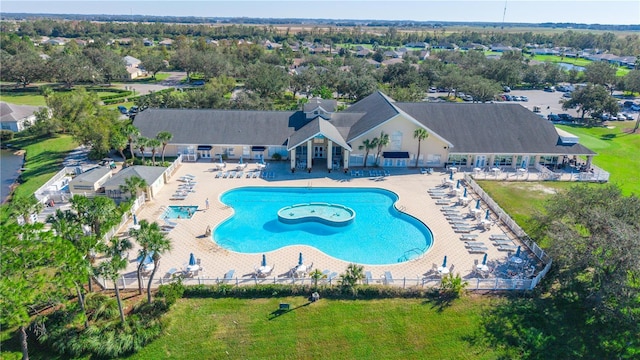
{"x": 608, "y": 136}
{"x": 282, "y": 311}
{"x": 438, "y": 300}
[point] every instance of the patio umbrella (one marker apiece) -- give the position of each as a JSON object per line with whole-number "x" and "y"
{"x": 135, "y": 219}
{"x": 192, "y": 259}
{"x": 240, "y": 159}
{"x": 264, "y": 260}
{"x": 478, "y": 204}
{"x": 518, "y": 252}
{"x": 221, "y": 160}
{"x": 261, "y": 159}
{"x": 487, "y": 216}
{"x": 451, "y": 175}
{"x": 484, "y": 259}
{"x": 300, "y": 259}
{"x": 147, "y": 260}
{"x": 465, "y": 192}
{"x": 444, "y": 263}
{"x": 458, "y": 184}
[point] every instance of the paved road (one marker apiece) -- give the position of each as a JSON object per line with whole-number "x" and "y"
{"x": 172, "y": 81}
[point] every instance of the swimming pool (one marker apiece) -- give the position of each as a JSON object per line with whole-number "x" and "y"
{"x": 378, "y": 235}
{"x": 179, "y": 212}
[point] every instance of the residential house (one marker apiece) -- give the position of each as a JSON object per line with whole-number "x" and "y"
{"x": 392, "y": 61}
{"x": 17, "y": 117}
{"x": 166, "y": 43}
{"x": 133, "y": 67}
{"x": 471, "y": 134}
{"x": 417, "y": 44}
{"x": 501, "y": 48}
{"x": 445, "y": 46}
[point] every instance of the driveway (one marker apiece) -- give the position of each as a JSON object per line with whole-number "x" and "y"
{"x": 140, "y": 88}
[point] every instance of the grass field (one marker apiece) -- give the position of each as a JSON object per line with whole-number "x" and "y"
{"x": 328, "y": 329}
{"x": 30, "y": 98}
{"x": 44, "y": 159}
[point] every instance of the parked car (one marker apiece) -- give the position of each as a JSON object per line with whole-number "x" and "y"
{"x": 432, "y": 90}
{"x": 627, "y": 104}
{"x": 549, "y": 89}
{"x": 621, "y": 117}
{"x": 635, "y": 107}
{"x": 123, "y": 109}
{"x": 627, "y": 116}
{"x": 133, "y": 110}
{"x": 507, "y": 97}
{"x": 553, "y": 117}
{"x": 523, "y": 98}
{"x": 609, "y": 117}
{"x": 197, "y": 82}
{"x": 506, "y": 89}
{"x": 567, "y": 94}
{"x": 565, "y": 117}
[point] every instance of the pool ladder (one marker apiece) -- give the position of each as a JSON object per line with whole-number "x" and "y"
{"x": 402, "y": 208}
{"x": 310, "y": 185}
{"x": 405, "y": 256}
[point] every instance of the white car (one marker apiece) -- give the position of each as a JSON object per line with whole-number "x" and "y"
{"x": 627, "y": 116}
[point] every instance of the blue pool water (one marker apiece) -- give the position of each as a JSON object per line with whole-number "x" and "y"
{"x": 379, "y": 235}
{"x": 179, "y": 212}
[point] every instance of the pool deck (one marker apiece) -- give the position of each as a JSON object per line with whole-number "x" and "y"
{"x": 411, "y": 187}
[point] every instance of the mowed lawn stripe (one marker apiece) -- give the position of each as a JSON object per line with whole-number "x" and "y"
{"x": 328, "y": 329}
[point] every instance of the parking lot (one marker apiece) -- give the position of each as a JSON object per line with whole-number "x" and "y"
{"x": 548, "y": 102}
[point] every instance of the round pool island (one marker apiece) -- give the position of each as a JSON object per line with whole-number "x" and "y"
{"x": 324, "y": 213}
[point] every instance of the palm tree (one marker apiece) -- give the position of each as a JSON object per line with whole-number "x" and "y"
{"x": 24, "y": 206}
{"x": 132, "y": 134}
{"x": 141, "y": 235}
{"x": 102, "y": 213}
{"x": 164, "y": 137}
{"x": 420, "y": 134}
{"x": 117, "y": 262}
{"x": 141, "y": 142}
{"x": 382, "y": 142}
{"x": 367, "y": 145}
{"x": 153, "y": 144}
{"x": 316, "y": 275}
{"x": 119, "y": 141}
{"x": 157, "y": 244}
{"x": 349, "y": 280}
{"x": 133, "y": 185}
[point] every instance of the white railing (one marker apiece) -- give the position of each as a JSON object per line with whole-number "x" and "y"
{"x": 473, "y": 284}
{"x": 41, "y": 193}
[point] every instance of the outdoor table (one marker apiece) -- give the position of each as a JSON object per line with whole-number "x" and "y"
{"x": 477, "y": 169}
{"x": 264, "y": 269}
{"x": 443, "y": 270}
{"x": 496, "y": 171}
{"x": 191, "y": 268}
{"x": 516, "y": 260}
{"x": 476, "y": 212}
{"x": 482, "y": 267}
{"x": 453, "y": 169}
{"x": 149, "y": 267}
{"x": 463, "y": 200}
{"x": 522, "y": 170}
{"x": 301, "y": 269}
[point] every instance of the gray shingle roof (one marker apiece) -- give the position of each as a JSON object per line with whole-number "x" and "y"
{"x": 149, "y": 173}
{"x": 224, "y": 127}
{"x": 315, "y": 127}
{"x": 92, "y": 175}
{"x": 376, "y": 109}
{"x": 12, "y": 112}
{"x": 491, "y": 128}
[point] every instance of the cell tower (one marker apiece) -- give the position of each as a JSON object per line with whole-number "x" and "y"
{"x": 504, "y": 13}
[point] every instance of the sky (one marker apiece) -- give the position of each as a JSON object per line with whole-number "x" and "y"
{"x": 625, "y": 12}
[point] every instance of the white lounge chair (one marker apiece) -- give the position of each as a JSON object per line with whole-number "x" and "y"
{"x": 388, "y": 278}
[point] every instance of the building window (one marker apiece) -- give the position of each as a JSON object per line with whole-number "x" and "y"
{"x": 401, "y": 162}
{"x": 301, "y": 151}
{"x": 356, "y": 160}
{"x": 388, "y": 162}
{"x": 457, "y": 159}
{"x": 395, "y": 141}
{"x": 433, "y": 160}
{"x": 246, "y": 151}
{"x": 548, "y": 160}
{"x": 503, "y": 160}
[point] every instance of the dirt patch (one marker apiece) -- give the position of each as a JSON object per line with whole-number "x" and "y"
{"x": 536, "y": 187}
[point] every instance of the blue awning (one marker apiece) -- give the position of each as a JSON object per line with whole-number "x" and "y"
{"x": 395, "y": 155}
{"x": 204, "y": 147}
{"x": 258, "y": 148}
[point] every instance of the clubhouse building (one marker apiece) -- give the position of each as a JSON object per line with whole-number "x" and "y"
{"x": 473, "y": 135}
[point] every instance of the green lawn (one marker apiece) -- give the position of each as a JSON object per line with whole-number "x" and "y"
{"x": 27, "y": 98}
{"x": 44, "y": 159}
{"x": 328, "y": 329}
{"x": 617, "y": 152}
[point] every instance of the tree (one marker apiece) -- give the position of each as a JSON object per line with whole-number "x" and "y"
{"x": 383, "y": 141}
{"x": 28, "y": 251}
{"x": 153, "y": 63}
{"x": 593, "y": 236}
{"x": 142, "y": 236}
{"x": 106, "y": 63}
{"x": 164, "y": 137}
{"x": 353, "y": 274}
{"x": 119, "y": 142}
{"x": 367, "y": 145}
{"x": 142, "y": 142}
{"x": 69, "y": 69}
{"x": 133, "y": 185}
{"x": 601, "y": 73}
{"x": 153, "y": 143}
{"x": 23, "y": 67}
{"x": 116, "y": 262}
{"x": 157, "y": 244}
{"x": 591, "y": 99}
{"x": 102, "y": 214}
{"x": 481, "y": 89}
{"x": 266, "y": 80}
{"x": 132, "y": 135}
{"x": 24, "y": 206}
{"x": 420, "y": 134}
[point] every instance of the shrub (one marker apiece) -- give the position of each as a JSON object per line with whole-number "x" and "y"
{"x": 276, "y": 157}
{"x": 452, "y": 286}
{"x": 171, "y": 293}
{"x": 6, "y": 135}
